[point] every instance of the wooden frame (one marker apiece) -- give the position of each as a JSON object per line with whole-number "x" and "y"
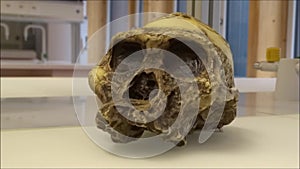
{"x": 267, "y": 28}
{"x": 161, "y": 6}
{"x": 97, "y": 14}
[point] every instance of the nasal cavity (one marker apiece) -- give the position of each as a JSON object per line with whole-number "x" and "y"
{"x": 142, "y": 85}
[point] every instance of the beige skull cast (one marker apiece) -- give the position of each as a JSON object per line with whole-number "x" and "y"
{"x": 195, "y": 44}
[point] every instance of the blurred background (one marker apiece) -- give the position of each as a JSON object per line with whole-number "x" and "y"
{"x": 56, "y": 31}
{"x": 43, "y": 42}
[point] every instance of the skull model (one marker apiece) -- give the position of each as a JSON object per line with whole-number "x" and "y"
{"x": 204, "y": 52}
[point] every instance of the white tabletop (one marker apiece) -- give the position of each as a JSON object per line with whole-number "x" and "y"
{"x": 267, "y": 137}
{"x": 20, "y": 87}
{"x": 28, "y": 87}
{"x": 253, "y": 141}
{"x": 38, "y": 65}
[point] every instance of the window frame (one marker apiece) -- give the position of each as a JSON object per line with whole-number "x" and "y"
{"x": 291, "y": 30}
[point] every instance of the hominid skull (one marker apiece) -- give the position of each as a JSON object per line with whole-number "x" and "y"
{"x": 149, "y": 75}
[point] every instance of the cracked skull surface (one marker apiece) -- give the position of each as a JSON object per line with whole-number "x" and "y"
{"x": 163, "y": 79}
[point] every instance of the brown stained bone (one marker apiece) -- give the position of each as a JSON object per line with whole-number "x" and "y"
{"x": 178, "y": 42}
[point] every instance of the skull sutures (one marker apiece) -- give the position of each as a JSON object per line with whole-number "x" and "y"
{"x": 143, "y": 88}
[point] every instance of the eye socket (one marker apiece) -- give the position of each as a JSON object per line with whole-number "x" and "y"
{"x": 142, "y": 85}
{"x": 121, "y": 50}
{"x": 185, "y": 50}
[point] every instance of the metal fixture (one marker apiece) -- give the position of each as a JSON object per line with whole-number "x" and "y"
{"x": 6, "y": 29}
{"x": 51, "y": 11}
{"x": 266, "y": 66}
{"x": 43, "y": 55}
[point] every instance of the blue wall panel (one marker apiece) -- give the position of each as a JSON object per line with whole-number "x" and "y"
{"x": 237, "y": 34}
{"x": 118, "y": 9}
{"x": 181, "y": 6}
{"x": 297, "y": 33}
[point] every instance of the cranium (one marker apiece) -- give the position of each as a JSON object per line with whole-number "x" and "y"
{"x": 184, "y": 37}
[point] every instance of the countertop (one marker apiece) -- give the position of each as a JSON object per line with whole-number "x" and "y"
{"x": 253, "y": 141}
{"x": 20, "y": 87}
{"x": 264, "y": 134}
{"x": 29, "y": 87}
{"x": 36, "y": 64}
{"x": 36, "y": 68}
